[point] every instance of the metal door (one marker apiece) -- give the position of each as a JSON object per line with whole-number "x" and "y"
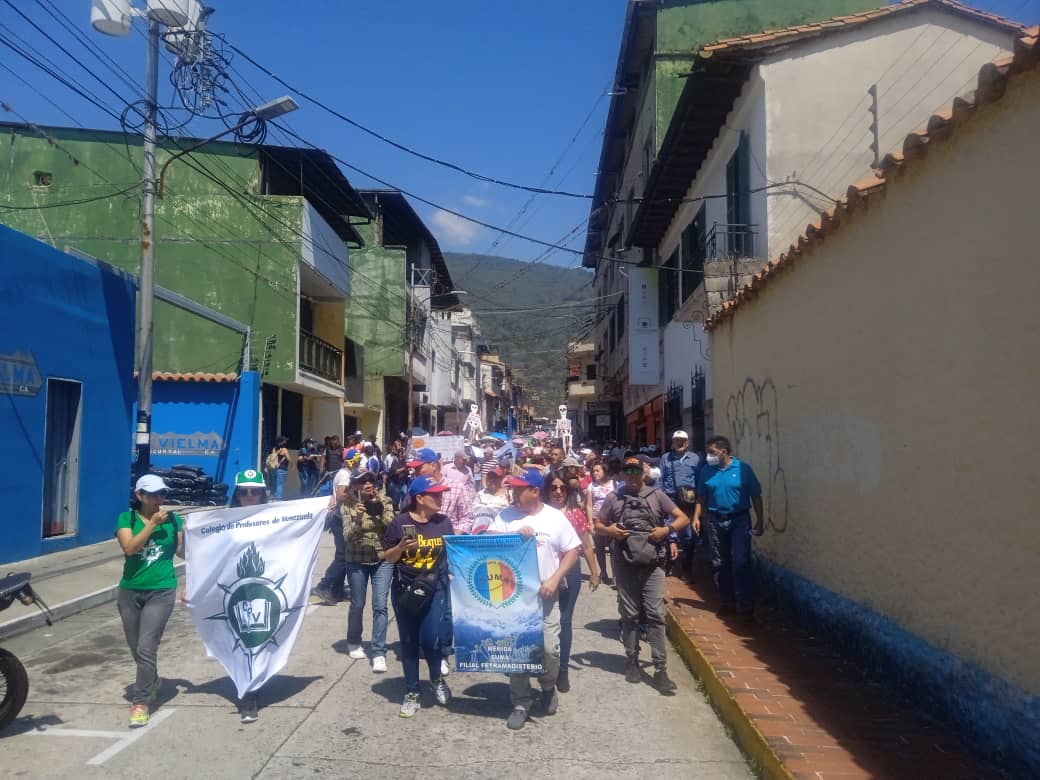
{"x": 61, "y": 458}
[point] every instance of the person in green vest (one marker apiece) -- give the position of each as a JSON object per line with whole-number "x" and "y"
{"x": 150, "y": 537}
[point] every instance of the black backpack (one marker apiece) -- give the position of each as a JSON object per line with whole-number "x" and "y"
{"x": 639, "y": 518}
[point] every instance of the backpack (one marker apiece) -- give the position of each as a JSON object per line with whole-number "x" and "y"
{"x": 639, "y": 518}
{"x": 272, "y": 461}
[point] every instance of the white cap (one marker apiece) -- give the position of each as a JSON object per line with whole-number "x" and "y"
{"x": 680, "y": 435}
{"x": 151, "y": 483}
{"x": 342, "y": 477}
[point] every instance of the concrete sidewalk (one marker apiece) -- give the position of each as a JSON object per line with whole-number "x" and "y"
{"x": 797, "y": 707}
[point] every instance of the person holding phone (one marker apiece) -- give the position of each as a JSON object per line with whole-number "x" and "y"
{"x": 150, "y": 537}
{"x": 414, "y": 544}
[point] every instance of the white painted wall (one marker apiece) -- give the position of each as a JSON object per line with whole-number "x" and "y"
{"x": 323, "y": 250}
{"x": 685, "y": 346}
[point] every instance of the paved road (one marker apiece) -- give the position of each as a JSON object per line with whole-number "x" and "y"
{"x": 330, "y": 715}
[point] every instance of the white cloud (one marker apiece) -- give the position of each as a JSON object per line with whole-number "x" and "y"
{"x": 473, "y": 200}
{"x": 452, "y": 229}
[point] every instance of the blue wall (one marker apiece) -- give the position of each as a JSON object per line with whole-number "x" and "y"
{"x": 996, "y": 719}
{"x": 71, "y": 319}
{"x": 213, "y": 425}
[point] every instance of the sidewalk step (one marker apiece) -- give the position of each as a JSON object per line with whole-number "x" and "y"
{"x": 798, "y": 709}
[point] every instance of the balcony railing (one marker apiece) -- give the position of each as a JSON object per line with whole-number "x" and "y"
{"x": 725, "y": 241}
{"x": 320, "y": 358}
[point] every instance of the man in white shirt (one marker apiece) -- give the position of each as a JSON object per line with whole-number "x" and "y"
{"x": 558, "y": 547}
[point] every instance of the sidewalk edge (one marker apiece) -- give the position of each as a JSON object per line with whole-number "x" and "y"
{"x": 26, "y": 623}
{"x": 747, "y": 735}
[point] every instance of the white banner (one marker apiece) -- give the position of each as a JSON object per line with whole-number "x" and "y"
{"x": 445, "y": 446}
{"x": 248, "y": 572}
{"x": 644, "y": 347}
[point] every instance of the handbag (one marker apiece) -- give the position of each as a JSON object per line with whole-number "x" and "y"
{"x": 417, "y": 595}
{"x": 687, "y": 495}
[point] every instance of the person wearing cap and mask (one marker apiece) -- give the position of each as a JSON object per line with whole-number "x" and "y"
{"x": 426, "y": 463}
{"x": 679, "y": 482}
{"x": 150, "y": 537}
{"x": 558, "y": 547}
{"x": 332, "y": 589}
{"x": 639, "y": 519}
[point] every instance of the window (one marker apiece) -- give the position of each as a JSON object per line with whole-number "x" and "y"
{"x": 738, "y": 199}
{"x": 43, "y": 178}
{"x": 692, "y": 248}
{"x": 620, "y": 315}
{"x": 668, "y": 284}
{"x": 350, "y": 357}
{"x": 590, "y": 371}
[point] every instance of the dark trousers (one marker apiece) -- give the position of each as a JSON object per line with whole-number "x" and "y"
{"x": 568, "y": 598}
{"x": 144, "y": 614}
{"x": 602, "y": 545}
{"x": 730, "y": 540}
{"x": 336, "y": 573}
{"x": 420, "y": 632}
{"x": 641, "y": 597}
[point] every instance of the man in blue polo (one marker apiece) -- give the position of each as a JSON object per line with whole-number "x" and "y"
{"x": 727, "y": 489}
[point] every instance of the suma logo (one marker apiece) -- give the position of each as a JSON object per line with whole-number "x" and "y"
{"x": 494, "y": 583}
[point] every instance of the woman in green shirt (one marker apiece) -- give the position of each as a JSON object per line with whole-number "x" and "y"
{"x": 150, "y": 537}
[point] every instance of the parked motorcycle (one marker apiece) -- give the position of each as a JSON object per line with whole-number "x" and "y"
{"x": 14, "y": 682}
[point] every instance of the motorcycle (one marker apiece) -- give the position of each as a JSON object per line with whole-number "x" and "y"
{"x": 14, "y": 682}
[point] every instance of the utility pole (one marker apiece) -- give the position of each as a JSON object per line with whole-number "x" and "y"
{"x": 145, "y": 326}
{"x": 410, "y": 334}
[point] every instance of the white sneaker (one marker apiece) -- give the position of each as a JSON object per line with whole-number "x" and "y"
{"x": 445, "y": 669}
{"x": 357, "y": 651}
{"x": 379, "y": 664}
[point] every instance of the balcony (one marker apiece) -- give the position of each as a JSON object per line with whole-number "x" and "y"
{"x": 320, "y": 358}
{"x": 725, "y": 241}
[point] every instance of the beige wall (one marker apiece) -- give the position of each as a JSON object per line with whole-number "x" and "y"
{"x": 885, "y": 390}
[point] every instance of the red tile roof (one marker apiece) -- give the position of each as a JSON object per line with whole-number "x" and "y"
{"x": 772, "y": 38}
{"x": 197, "y": 376}
{"x": 992, "y": 82}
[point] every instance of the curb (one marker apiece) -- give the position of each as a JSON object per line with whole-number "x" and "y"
{"x": 746, "y": 734}
{"x": 26, "y": 623}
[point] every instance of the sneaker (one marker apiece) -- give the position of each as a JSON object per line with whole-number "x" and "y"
{"x": 323, "y": 595}
{"x": 379, "y": 664}
{"x": 664, "y": 684}
{"x": 442, "y": 692}
{"x": 632, "y": 673}
{"x": 247, "y": 709}
{"x": 410, "y": 705}
{"x": 563, "y": 682}
{"x": 445, "y": 667}
{"x": 138, "y": 716}
{"x": 356, "y": 651}
{"x": 550, "y": 702}
{"x": 517, "y": 718}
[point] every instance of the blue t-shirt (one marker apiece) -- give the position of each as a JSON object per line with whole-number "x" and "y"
{"x": 678, "y": 472}
{"x": 728, "y": 490}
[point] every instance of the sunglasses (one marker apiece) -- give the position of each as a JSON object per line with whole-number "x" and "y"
{"x": 558, "y": 489}
{"x": 633, "y": 469}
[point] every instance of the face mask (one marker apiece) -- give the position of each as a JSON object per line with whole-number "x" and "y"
{"x": 712, "y": 460}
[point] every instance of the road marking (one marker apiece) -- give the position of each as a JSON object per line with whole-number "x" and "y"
{"x": 130, "y": 738}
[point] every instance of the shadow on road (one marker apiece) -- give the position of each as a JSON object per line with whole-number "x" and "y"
{"x": 29, "y": 723}
{"x": 275, "y": 691}
{"x": 608, "y": 662}
{"x": 607, "y": 627}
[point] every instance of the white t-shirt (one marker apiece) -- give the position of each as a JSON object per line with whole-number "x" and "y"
{"x": 554, "y": 534}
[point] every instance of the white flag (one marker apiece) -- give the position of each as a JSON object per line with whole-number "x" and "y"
{"x": 248, "y": 573}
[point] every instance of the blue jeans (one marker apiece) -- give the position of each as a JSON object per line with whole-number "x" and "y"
{"x": 359, "y": 575}
{"x": 731, "y": 560}
{"x": 279, "y": 482}
{"x": 420, "y": 631}
{"x": 308, "y": 481}
{"x": 568, "y": 599}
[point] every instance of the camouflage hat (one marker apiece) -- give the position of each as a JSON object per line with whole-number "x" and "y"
{"x": 249, "y": 478}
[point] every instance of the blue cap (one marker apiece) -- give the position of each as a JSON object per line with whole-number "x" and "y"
{"x": 426, "y": 485}
{"x": 530, "y": 478}
{"x": 425, "y": 455}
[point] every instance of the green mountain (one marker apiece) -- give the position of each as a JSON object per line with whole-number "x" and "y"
{"x": 529, "y": 312}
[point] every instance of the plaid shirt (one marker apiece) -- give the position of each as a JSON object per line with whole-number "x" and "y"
{"x": 363, "y": 534}
{"x": 458, "y": 499}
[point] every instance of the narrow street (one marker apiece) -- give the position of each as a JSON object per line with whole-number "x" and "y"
{"x": 329, "y": 715}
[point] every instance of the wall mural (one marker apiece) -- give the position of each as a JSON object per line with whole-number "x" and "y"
{"x": 753, "y": 418}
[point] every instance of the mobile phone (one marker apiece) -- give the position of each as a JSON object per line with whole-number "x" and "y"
{"x": 409, "y": 532}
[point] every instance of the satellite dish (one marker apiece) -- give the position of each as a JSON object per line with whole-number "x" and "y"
{"x": 174, "y": 13}
{"x": 111, "y": 17}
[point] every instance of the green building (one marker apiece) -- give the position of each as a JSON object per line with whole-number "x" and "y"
{"x": 261, "y": 235}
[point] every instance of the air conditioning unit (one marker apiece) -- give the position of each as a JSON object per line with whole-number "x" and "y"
{"x": 421, "y": 398}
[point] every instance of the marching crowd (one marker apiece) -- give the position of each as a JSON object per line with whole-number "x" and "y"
{"x": 389, "y": 516}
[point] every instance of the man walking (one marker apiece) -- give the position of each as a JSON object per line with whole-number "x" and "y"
{"x": 462, "y": 492}
{"x": 726, "y": 491}
{"x": 638, "y": 519}
{"x": 679, "y": 481}
{"x": 558, "y": 547}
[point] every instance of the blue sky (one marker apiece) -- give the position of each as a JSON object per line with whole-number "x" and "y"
{"x": 496, "y": 86}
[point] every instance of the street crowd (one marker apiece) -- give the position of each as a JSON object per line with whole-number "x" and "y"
{"x": 643, "y": 511}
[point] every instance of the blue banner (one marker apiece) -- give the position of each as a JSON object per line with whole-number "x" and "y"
{"x": 495, "y": 604}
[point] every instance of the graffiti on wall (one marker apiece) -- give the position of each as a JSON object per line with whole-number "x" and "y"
{"x": 753, "y": 419}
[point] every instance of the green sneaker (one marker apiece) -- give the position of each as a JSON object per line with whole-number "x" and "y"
{"x": 410, "y": 705}
{"x": 138, "y": 716}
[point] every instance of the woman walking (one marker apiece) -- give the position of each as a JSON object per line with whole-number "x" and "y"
{"x": 414, "y": 543}
{"x": 150, "y": 537}
{"x": 600, "y": 487}
{"x": 278, "y": 465}
{"x": 569, "y": 500}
